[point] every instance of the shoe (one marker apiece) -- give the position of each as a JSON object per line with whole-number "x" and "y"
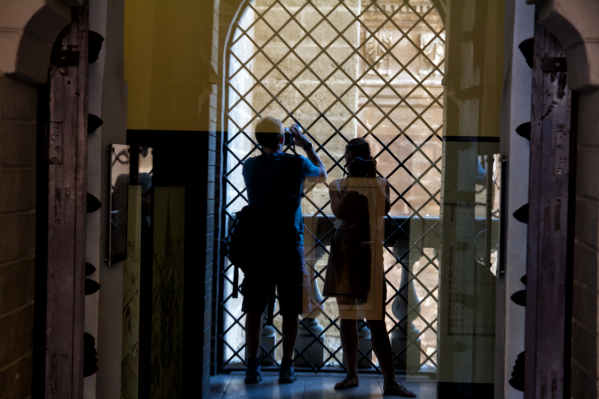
{"x": 253, "y": 374}
{"x": 348, "y": 382}
{"x": 286, "y": 373}
{"x": 397, "y": 389}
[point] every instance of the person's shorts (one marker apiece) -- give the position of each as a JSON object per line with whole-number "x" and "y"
{"x": 284, "y": 269}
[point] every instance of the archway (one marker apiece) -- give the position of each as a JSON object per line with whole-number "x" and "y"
{"x": 345, "y": 70}
{"x": 29, "y": 31}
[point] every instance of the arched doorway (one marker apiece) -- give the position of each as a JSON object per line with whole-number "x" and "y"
{"x": 39, "y": 331}
{"x": 343, "y": 70}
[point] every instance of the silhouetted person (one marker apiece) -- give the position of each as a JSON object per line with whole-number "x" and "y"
{"x": 350, "y": 261}
{"x": 275, "y": 183}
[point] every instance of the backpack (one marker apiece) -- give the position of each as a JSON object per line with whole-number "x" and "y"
{"x": 242, "y": 239}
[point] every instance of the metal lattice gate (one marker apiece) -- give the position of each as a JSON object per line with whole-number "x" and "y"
{"x": 343, "y": 69}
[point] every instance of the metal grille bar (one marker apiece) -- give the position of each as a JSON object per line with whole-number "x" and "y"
{"x": 405, "y": 19}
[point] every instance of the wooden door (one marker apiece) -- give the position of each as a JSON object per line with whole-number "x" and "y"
{"x": 61, "y": 215}
{"x": 549, "y": 230}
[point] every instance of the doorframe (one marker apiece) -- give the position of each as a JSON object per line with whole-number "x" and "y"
{"x": 549, "y": 235}
{"x": 572, "y": 24}
{"x": 61, "y": 215}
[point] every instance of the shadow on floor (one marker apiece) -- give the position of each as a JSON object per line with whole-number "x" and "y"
{"x": 307, "y": 386}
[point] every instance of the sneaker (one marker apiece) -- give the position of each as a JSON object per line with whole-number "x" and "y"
{"x": 286, "y": 373}
{"x": 253, "y": 374}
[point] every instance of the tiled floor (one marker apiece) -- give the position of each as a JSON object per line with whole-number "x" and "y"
{"x": 308, "y": 386}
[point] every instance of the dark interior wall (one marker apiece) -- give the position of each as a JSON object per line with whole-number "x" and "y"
{"x": 207, "y": 176}
{"x": 181, "y": 164}
{"x": 29, "y": 30}
{"x": 209, "y": 143}
{"x": 585, "y": 290}
{"x": 210, "y": 269}
{"x": 23, "y": 64}
{"x": 171, "y": 67}
{"x": 18, "y": 122}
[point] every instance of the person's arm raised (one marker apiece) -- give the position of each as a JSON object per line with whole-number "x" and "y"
{"x": 302, "y": 141}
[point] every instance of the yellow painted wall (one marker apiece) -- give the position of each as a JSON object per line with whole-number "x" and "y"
{"x": 478, "y": 114}
{"x": 168, "y": 44}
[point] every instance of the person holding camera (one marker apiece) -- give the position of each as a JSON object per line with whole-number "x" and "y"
{"x": 359, "y": 203}
{"x": 274, "y": 182}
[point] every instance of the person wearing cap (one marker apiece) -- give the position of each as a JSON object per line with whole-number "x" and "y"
{"x": 275, "y": 182}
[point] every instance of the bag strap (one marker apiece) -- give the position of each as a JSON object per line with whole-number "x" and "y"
{"x": 227, "y": 242}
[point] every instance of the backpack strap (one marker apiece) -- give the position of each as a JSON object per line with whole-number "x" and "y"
{"x": 226, "y": 242}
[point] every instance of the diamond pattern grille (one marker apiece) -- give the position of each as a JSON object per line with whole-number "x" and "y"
{"x": 344, "y": 70}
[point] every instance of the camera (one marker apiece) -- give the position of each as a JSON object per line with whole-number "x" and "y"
{"x": 362, "y": 167}
{"x": 289, "y": 135}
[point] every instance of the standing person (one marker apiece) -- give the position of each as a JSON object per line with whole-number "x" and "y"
{"x": 348, "y": 271}
{"x": 275, "y": 183}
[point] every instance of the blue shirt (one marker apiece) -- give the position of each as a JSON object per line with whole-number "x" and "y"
{"x": 277, "y": 198}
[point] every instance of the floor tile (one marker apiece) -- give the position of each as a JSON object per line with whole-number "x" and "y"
{"x": 323, "y": 388}
{"x": 269, "y": 388}
{"x": 219, "y": 384}
{"x": 310, "y": 386}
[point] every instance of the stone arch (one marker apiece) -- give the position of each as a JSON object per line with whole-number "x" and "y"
{"x": 234, "y": 11}
{"x": 28, "y": 30}
{"x": 28, "y": 33}
{"x": 229, "y": 11}
{"x": 574, "y": 24}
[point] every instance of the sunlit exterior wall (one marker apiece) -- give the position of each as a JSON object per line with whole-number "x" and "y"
{"x": 240, "y": 119}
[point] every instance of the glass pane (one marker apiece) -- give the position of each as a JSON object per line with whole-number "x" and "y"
{"x": 138, "y": 230}
{"x": 119, "y": 183}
